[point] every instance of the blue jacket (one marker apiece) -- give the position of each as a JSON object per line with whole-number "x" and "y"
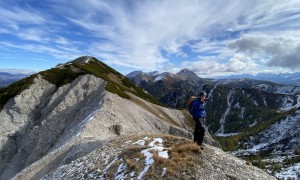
{"x": 197, "y": 109}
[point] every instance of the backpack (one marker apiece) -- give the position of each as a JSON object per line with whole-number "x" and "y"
{"x": 190, "y": 102}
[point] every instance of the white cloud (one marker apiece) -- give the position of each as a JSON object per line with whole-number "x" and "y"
{"x": 62, "y": 53}
{"x": 148, "y": 27}
{"x": 137, "y": 33}
{"x": 12, "y": 17}
{"x": 240, "y": 63}
{"x": 279, "y": 49}
{"x": 18, "y": 71}
{"x": 142, "y": 29}
{"x": 33, "y": 34}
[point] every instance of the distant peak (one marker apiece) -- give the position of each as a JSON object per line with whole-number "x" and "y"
{"x": 83, "y": 59}
{"x": 80, "y": 60}
{"x": 134, "y": 73}
{"x": 185, "y": 70}
{"x": 153, "y": 73}
{"x": 186, "y": 73}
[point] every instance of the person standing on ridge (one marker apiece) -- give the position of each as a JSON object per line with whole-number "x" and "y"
{"x": 196, "y": 108}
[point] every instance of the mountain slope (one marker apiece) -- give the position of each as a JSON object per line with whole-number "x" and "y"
{"x": 234, "y": 106}
{"x": 170, "y": 89}
{"x": 159, "y": 157}
{"x": 61, "y": 114}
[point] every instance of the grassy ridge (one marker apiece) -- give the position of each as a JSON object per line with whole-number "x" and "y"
{"x": 117, "y": 83}
{"x": 125, "y": 85}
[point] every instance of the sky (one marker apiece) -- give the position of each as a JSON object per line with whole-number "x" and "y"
{"x": 209, "y": 37}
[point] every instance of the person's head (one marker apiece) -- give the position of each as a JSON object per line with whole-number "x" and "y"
{"x": 202, "y": 94}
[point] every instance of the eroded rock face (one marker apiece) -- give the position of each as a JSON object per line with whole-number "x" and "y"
{"x": 37, "y": 120}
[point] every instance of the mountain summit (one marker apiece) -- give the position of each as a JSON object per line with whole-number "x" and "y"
{"x": 80, "y": 60}
{"x": 187, "y": 74}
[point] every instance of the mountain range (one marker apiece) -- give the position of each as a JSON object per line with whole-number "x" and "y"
{"x": 244, "y": 115}
{"x": 84, "y": 120}
{"x": 281, "y": 78}
{"x": 8, "y": 78}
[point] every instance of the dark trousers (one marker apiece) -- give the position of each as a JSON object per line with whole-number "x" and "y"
{"x": 199, "y": 131}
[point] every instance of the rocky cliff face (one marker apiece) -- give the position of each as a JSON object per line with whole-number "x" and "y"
{"x": 33, "y": 122}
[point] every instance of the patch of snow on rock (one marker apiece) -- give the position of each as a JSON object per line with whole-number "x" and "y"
{"x": 156, "y": 145}
{"x": 290, "y": 172}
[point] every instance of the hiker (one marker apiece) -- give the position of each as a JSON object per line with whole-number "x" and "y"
{"x": 196, "y": 108}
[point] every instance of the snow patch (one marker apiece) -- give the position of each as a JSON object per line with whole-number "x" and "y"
{"x": 157, "y": 145}
{"x": 222, "y": 121}
{"x": 163, "y": 172}
{"x": 226, "y": 134}
{"x": 140, "y": 142}
{"x": 107, "y": 167}
{"x": 290, "y": 172}
{"x": 121, "y": 171}
{"x": 160, "y": 77}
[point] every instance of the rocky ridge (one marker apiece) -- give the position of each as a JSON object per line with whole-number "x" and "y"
{"x": 159, "y": 157}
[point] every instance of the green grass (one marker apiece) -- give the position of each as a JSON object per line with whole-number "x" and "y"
{"x": 95, "y": 68}
{"x": 105, "y": 72}
{"x": 60, "y": 77}
{"x": 116, "y": 89}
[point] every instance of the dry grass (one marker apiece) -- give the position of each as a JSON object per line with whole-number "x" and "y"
{"x": 183, "y": 158}
{"x": 129, "y": 156}
{"x": 181, "y": 155}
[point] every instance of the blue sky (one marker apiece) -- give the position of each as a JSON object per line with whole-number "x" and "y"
{"x": 211, "y": 38}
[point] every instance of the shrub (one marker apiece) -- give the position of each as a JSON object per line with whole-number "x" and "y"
{"x": 60, "y": 77}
